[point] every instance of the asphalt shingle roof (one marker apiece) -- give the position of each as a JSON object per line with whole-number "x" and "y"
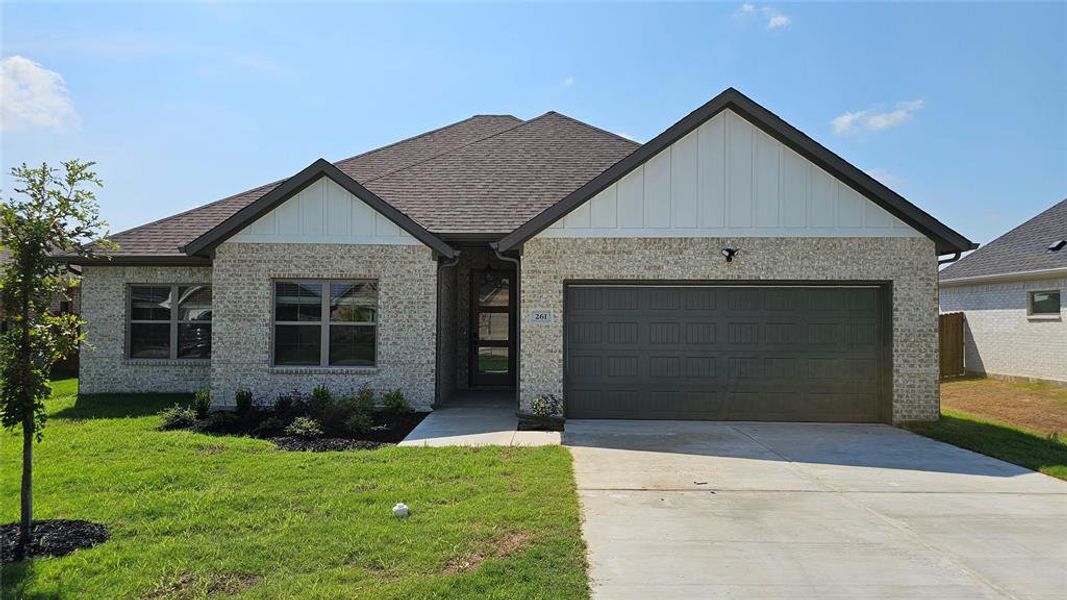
{"x": 1025, "y": 248}
{"x": 485, "y": 174}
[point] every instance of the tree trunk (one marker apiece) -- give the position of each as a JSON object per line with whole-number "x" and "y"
{"x": 26, "y": 523}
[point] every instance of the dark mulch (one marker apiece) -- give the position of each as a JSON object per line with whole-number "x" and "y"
{"x": 324, "y": 444}
{"x": 388, "y": 428}
{"x": 54, "y": 537}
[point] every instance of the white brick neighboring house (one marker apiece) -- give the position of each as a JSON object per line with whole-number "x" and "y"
{"x": 730, "y": 268}
{"x": 1011, "y": 293}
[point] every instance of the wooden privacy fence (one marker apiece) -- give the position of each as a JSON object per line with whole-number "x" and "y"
{"x": 950, "y": 336}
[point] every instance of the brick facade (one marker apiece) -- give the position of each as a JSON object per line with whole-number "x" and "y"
{"x": 242, "y": 330}
{"x": 1000, "y": 339}
{"x": 104, "y": 367}
{"x": 909, "y": 263}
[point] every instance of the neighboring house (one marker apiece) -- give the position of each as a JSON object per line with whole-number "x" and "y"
{"x": 543, "y": 256}
{"x": 68, "y": 302}
{"x": 1011, "y": 293}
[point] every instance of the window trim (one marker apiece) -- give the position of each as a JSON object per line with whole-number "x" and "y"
{"x": 174, "y": 321}
{"x": 1042, "y": 315}
{"x": 324, "y": 323}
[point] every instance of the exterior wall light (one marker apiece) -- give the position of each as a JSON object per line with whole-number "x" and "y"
{"x": 729, "y": 253}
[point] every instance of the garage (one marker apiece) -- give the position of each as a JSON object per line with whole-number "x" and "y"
{"x": 767, "y": 352}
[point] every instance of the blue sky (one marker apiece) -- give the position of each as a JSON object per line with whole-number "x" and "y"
{"x": 962, "y": 108}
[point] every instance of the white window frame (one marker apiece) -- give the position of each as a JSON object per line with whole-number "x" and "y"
{"x": 323, "y": 323}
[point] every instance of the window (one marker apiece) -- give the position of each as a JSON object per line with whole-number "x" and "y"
{"x": 325, "y": 323}
{"x": 1043, "y": 302}
{"x": 169, "y": 322}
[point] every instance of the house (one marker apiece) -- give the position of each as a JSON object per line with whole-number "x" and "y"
{"x": 68, "y": 301}
{"x": 730, "y": 268}
{"x": 1011, "y": 293}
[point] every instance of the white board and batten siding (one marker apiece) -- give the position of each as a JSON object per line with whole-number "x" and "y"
{"x": 324, "y": 213}
{"x": 728, "y": 179}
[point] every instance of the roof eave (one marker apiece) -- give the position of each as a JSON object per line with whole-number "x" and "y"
{"x": 207, "y": 242}
{"x": 946, "y": 240}
{"x": 1009, "y": 276}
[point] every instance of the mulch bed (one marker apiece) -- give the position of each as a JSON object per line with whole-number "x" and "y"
{"x": 388, "y": 429}
{"x": 53, "y": 537}
{"x": 324, "y": 444}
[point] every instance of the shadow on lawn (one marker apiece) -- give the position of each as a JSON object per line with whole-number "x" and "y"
{"x": 19, "y": 576}
{"x": 116, "y": 406}
{"x": 1010, "y": 444}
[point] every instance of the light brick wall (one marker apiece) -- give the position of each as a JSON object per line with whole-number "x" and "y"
{"x": 104, "y": 367}
{"x": 1000, "y": 338}
{"x": 909, "y": 263}
{"x": 407, "y": 330}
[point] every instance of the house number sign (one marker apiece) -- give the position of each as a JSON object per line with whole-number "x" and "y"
{"x": 540, "y": 316}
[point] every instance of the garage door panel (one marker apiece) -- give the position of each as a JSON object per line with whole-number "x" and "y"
{"x": 703, "y": 352}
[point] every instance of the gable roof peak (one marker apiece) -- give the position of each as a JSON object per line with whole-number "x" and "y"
{"x": 945, "y": 239}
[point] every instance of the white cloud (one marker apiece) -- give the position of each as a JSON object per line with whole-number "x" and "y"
{"x": 568, "y": 81}
{"x": 626, "y": 135}
{"x": 872, "y": 120}
{"x": 32, "y": 96}
{"x": 773, "y": 18}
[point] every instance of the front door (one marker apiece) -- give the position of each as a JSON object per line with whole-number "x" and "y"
{"x": 492, "y": 328}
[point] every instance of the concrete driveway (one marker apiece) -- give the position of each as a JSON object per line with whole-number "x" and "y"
{"x": 792, "y": 510}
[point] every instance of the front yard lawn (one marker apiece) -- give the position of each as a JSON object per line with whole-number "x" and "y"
{"x": 1015, "y": 422}
{"x": 194, "y": 515}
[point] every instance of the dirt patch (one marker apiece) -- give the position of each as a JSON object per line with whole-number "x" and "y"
{"x": 54, "y": 537}
{"x": 211, "y": 449}
{"x": 296, "y": 444}
{"x": 1035, "y": 406}
{"x": 509, "y": 545}
{"x": 188, "y": 585}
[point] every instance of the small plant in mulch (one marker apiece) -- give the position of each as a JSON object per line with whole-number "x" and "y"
{"x": 546, "y": 414}
{"x": 202, "y": 403}
{"x": 395, "y": 401}
{"x": 55, "y": 537}
{"x": 304, "y": 427}
{"x": 243, "y": 402}
{"x": 177, "y": 417}
{"x": 318, "y": 422}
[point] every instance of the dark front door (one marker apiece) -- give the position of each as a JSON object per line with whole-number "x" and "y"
{"x": 777, "y": 353}
{"x": 492, "y": 328}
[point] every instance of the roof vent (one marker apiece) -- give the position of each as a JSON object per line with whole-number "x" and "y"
{"x": 1055, "y": 246}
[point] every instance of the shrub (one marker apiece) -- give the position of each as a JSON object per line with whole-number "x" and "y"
{"x": 395, "y": 401}
{"x": 202, "y": 403}
{"x": 334, "y": 417}
{"x": 365, "y": 396}
{"x": 177, "y": 417}
{"x": 283, "y": 405}
{"x": 547, "y": 405}
{"x": 243, "y": 399}
{"x": 270, "y": 426}
{"x": 359, "y": 422}
{"x": 303, "y": 427}
{"x": 320, "y": 401}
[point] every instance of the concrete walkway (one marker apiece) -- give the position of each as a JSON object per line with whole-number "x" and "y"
{"x": 486, "y": 419}
{"x": 768, "y": 510}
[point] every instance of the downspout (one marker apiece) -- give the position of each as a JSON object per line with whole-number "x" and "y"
{"x": 444, "y": 264}
{"x": 950, "y": 259}
{"x": 518, "y": 318}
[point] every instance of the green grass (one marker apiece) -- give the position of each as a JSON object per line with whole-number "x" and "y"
{"x": 195, "y": 516}
{"x": 999, "y": 440}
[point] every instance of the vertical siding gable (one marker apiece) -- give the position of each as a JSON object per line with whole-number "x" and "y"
{"x": 324, "y": 213}
{"x": 729, "y": 178}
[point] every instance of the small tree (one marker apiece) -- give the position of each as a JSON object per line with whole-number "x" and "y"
{"x": 57, "y": 212}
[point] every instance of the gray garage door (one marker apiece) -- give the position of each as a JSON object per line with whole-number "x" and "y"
{"x": 741, "y": 353}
